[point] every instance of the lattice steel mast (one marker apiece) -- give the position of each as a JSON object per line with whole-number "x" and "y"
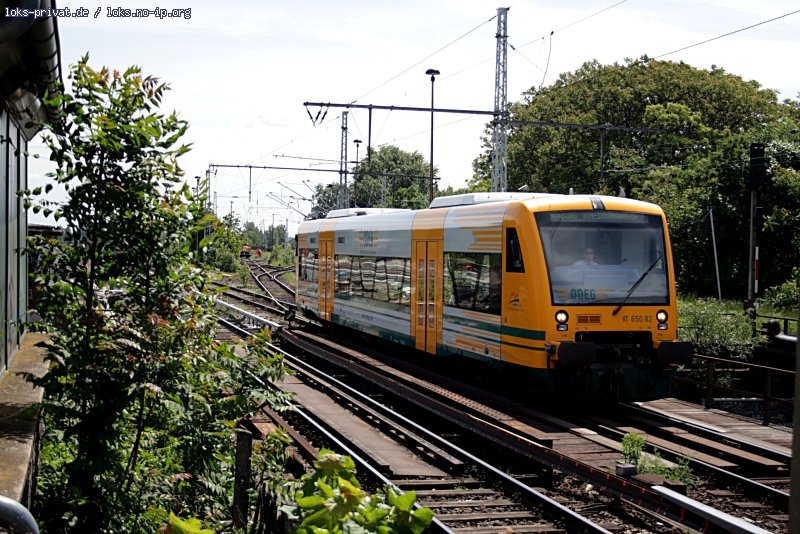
{"x": 500, "y": 132}
{"x": 344, "y": 195}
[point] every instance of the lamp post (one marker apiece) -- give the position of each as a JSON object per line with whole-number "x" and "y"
{"x": 356, "y": 142}
{"x": 433, "y": 73}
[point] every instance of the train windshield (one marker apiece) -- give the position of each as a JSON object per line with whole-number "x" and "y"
{"x": 604, "y": 257}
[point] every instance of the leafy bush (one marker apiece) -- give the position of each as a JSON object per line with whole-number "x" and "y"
{"x": 785, "y": 297}
{"x": 140, "y": 402}
{"x": 632, "y": 451}
{"x": 717, "y": 329}
{"x": 331, "y": 500}
{"x": 282, "y": 255}
{"x": 632, "y": 445}
{"x": 227, "y": 261}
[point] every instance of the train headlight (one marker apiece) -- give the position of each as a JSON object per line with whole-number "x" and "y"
{"x": 561, "y": 318}
{"x": 661, "y": 317}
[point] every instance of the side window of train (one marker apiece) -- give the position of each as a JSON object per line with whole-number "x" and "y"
{"x": 313, "y": 265}
{"x": 342, "y": 275}
{"x": 380, "y": 286}
{"x": 513, "y": 252}
{"x": 472, "y": 281}
{"x": 308, "y": 265}
{"x": 398, "y": 279}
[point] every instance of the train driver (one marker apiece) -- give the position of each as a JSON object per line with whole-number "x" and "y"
{"x": 587, "y": 258}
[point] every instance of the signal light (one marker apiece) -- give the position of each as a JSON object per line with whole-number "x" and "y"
{"x": 758, "y": 166}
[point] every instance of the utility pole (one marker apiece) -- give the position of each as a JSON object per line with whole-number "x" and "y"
{"x": 757, "y": 176}
{"x": 500, "y": 130}
{"x": 432, "y": 73}
{"x": 794, "y": 493}
{"x": 344, "y": 195}
{"x": 716, "y": 261}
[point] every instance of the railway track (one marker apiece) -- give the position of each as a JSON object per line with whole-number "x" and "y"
{"x": 598, "y": 477}
{"x": 516, "y": 431}
{"x": 467, "y": 494}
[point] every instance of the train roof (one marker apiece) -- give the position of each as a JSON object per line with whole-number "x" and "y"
{"x": 356, "y": 212}
{"x": 345, "y": 218}
{"x": 468, "y": 199}
{"x": 595, "y": 202}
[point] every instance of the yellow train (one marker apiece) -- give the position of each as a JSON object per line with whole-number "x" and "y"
{"x": 578, "y": 290}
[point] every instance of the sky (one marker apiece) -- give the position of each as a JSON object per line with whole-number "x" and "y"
{"x": 240, "y": 71}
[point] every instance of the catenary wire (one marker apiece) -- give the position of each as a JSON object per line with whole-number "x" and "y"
{"x": 424, "y": 59}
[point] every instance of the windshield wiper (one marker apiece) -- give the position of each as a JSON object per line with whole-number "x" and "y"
{"x": 635, "y": 285}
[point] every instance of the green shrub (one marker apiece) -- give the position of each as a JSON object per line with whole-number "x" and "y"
{"x": 785, "y": 297}
{"x": 331, "y": 500}
{"x": 717, "y": 329}
{"x": 632, "y": 447}
{"x": 139, "y": 402}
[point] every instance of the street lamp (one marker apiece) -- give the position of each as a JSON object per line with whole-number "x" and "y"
{"x": 357, "y": 142}
{"x": 433, "y": 73}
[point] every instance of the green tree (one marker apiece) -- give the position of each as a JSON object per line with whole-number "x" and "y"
{"x": 253, "y": 235}
{"x": 694, "y": 158}
{"x": 277, "y": 235}
{"x": 325, "y": 199}
{"x": 223, "y": 249}
{"x": 136, "y": 421}
{"x": 391, "y": 178}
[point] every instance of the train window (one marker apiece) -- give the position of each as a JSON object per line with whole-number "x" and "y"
{"x": 626, "y": 264}
{"x": 513, "y": 252}
{"x": 308, "y": 265}
{"x": 342, "y": 266}
{"x": 473, "y": 281}
{"x": 380, "y": 284}
{"x": 379, "y": 279}
{"x": 367, "y": 266}
{"x": 398, "y": 280}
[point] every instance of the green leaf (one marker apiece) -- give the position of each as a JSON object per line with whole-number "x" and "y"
{"x": 403, "y": 501}
{"x": 188, "y": 526}
{"x": 310, "y": 502}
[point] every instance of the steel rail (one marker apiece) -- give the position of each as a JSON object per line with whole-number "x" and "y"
{"x": 709, "y": 433}
{"x": 554, "y": 508}
{"x": 629, "y": 491}
{"x": 320, "y": 427}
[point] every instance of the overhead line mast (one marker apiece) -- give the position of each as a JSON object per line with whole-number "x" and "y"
{"x": 344, "y": 194}
{"x": 500, "y": 132}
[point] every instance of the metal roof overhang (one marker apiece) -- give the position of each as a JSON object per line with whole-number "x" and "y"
{"x": 30, "y": 63}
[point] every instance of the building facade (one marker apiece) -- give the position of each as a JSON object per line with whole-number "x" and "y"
{"x": 30, "y": 67}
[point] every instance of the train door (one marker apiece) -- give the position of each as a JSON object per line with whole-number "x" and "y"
{"x": 426, "y": 295}
{"x": 325, "y": 279}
